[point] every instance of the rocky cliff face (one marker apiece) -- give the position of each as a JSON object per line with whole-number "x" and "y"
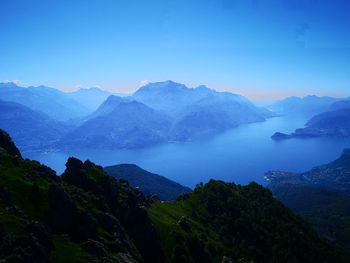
{"x": 7, "y": 144}
{"x": 82, "y": 216}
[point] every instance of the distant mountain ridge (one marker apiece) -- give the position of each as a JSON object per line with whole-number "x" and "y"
{"x": 55, "y": 103}
{"x": 162, "y": 112}
{"x": 335, "y": 175}
{"x": 214, "y": 113}
{"x": 49, "y": 101}
{"x": 148, "y": 183}
{"x": 91, "y": 98}
{"x": 173, "y": 97}
{"x": 156, "y": 113}
{"x": 30, "y": 129}
{"x": 108, "y": 105}
{"x": 199, "y": 111}
{"x": 305, "y": 106}
{"x": 129, "y": 124}
{"x": 333, "y": 123}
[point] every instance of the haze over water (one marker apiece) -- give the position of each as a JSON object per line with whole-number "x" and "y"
{"x": 239, "y": 155}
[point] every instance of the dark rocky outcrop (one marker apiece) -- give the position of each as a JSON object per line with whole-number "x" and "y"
{"x": 280, "y": 136}
{"x": 85, "y": 214}
{"x": 8, "y": 145}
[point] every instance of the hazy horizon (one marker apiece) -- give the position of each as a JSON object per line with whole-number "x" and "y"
{"x": 142, "y": 83}
{"x": 260, "y": 49}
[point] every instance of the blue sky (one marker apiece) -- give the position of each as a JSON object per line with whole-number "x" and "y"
{"x": 258, "y": 48}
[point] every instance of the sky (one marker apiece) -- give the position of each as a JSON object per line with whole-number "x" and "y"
{"x": 258, "y": 48}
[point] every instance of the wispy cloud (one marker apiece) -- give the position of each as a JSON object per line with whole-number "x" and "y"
{"x": 16, "y": 81}
{"x": 143, "y": 83}
{"x": 86, "y": 86}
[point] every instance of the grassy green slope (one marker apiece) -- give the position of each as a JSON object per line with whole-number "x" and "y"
{"x": 83, "y": 216}
{"x": 242, "y": 223}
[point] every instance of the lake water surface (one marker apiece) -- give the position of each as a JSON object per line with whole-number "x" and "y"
{"x": 240, "y": 155}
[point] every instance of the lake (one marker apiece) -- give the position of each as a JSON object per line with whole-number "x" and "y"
{"x": 239, "y": 155}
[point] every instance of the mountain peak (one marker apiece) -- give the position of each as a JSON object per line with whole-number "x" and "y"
{"x": 163, "y": 85}
{"x": 165, "y": 88}
{"x": 91, "y": 89}
{"x": 203, "y": 88}
{"x": 113, "y": 99}
{"x": 170, "y": 82}
{"x": 167, "y": 83}
{"x": 109, "y": 104}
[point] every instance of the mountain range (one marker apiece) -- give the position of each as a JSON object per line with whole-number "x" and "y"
{"x": 307, "y": 106}
{"x": 162, "y": 112}
{"x": 90, "y": 98}
{"x": 156, "y": 113}
{"x": 30, "y": 129}
{"x": 335, "y": 122}
{"x": 55, "y": 103}
{"x": 126, "y": 125}
{"x": 159, "y": 112}
{"x": 52, "y": 102}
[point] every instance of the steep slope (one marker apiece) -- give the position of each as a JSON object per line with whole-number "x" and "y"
{"x": 162, "y": 112}
{"x": 332, "y": 123}
{"x": 199, "y": 111}
{"x": 91, "y": 98}
{"x": 327, "y": 210}
{"x": 339, "y": 105}
{"x": 328, "y": 124}
{"x": 224, "y": 222}
{"x": 214, "y": 113}
{"x": 83, "y": 216}
{"x": 30, "y": 129}
{"x": 49, "y": 101}
{"x": 173, "y": 97}
{"x": 180, "y": 114}
{"x": 88, "y": 216}
{"x": 148, "y": 183}
{"x": 108, "y": 105}
{"x": 168, "y": 96}
{"x": 124, "y": 125}
{"x": 335, "y": 175}
{"x": 321, "y": 195}
{"x": 8, "y": 145}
